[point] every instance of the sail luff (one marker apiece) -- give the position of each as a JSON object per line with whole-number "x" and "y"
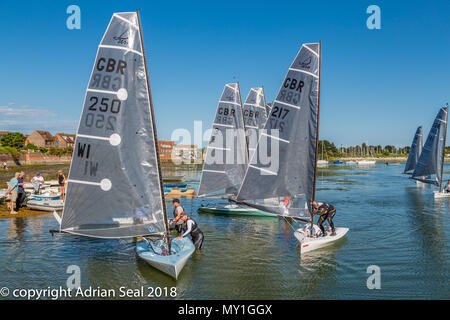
{"x": 155, "y": 135}
{"x": 317, "y": 138}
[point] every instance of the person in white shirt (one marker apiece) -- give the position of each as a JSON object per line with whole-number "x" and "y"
{"x": 37, "y": 182}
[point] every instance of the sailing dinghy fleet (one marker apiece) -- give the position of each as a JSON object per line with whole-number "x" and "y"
{"x": 115, "y": 187}
{"x": 279, "y": 176}
{"x": 427, "y": 163}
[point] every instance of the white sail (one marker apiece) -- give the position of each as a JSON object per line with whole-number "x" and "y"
{"x": 226, "y": 155}
{"x": 255, "y": 117}
{"x": 286, "y": 184}
{"x": 114, "y": 187}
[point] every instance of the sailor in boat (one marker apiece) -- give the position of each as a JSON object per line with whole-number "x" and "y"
{"x": 189, "y": 226}
{"x": 178, "y": 212}
{"x": 327, "y": 212}
{"x": 447, "y": 187}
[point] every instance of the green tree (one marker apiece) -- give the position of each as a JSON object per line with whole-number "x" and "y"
{"x": 13, "y": 139}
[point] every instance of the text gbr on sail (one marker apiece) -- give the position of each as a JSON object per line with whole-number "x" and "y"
{"x": 105, "y": 81}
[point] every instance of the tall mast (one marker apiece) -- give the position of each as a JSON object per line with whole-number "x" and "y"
{"x": 443, "y": 149}
{"x": 317, "y": 137}
{"x": 166, "y": 222}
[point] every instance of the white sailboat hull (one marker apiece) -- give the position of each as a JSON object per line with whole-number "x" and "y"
{"x": 309, "y": 244}
{"x": 441, "y": 195}
{"x": 45, "y": 205}
{"x": 169, "y": 264}
{"x": 365, "y": 162}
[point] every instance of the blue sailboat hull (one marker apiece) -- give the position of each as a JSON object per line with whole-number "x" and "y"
{"x": 152, "y": 253}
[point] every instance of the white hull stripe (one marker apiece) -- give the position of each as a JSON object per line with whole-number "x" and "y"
{"x": 273, "y": 137}
{"x": 303, "y": 71}
{"x": 261, "y": 169}
{"x": 287, "y": 104}
{"x": 120, "y": 48}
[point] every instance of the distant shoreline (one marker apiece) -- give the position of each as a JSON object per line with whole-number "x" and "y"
{"x": 386, "y": 159}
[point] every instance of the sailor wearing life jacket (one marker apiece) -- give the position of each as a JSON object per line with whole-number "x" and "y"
{"x": 189, "y": 226}
{"x": 327, "y": 212}
{"x": 178, "y": 212}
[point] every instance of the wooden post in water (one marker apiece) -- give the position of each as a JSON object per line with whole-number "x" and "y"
{"x": 317, "y": 139}
{"x": 166, "y": 222}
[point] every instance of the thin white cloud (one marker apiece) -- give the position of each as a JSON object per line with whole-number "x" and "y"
{"x": 11, "y": 111}
{"x": 26, "y": 119}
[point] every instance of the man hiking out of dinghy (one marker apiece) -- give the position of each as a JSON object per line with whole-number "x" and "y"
{"x": 327, "y": 212}
{"x": 178, "y": 212}
{"x": 189, "y": 226}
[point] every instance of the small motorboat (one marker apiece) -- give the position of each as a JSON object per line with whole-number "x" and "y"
{"x": 45, "y": 205}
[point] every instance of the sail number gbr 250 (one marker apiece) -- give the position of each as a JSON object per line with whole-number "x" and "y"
{"x": 103, "y": 115}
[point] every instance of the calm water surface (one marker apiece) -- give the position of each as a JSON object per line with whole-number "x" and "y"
{"x": 393, "y": 224}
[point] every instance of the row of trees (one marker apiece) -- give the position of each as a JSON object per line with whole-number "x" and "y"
{"x": 14, "y": 144}
{"x": 329, "y": 150}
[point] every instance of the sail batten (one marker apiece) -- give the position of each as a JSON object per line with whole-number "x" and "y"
{"x": 429, "y": 166}
{"x": 226, "y": 154}
{"x": 114, "y": 188}
{"x": 280, "y": 177}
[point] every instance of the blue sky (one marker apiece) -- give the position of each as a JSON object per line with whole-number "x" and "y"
{"x": 377, "y": 85}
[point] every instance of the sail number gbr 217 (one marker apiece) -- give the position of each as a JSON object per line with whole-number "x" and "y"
{"x": 290, "y": 93}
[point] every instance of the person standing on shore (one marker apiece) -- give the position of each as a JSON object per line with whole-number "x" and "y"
{"x": 61, "y": 181}
{"x": 13, "y": 187}
{"x": 37, "y": 182}
{"x": 5, "y": 167}
{"x": 20, "y": 191}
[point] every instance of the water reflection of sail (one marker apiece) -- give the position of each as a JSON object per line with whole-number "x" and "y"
{"x": 429, "y": 234}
